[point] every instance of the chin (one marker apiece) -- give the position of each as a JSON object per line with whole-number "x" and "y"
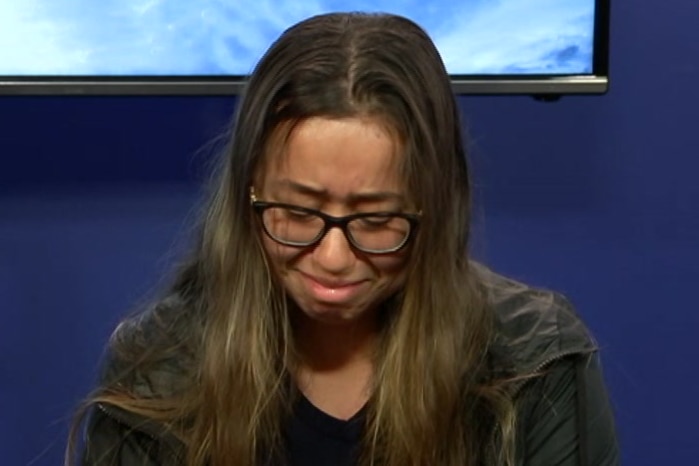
{"x": 332, "y": 314}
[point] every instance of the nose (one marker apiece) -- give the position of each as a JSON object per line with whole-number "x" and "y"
{"x": 334, "y": 254}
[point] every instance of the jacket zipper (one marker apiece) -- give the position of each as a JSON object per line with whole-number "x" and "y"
{"x": 550, "y": 360}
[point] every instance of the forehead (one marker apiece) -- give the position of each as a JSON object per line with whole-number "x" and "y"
{"x": 338, "y": 156}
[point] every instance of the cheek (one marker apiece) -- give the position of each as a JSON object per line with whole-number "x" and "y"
{"x": 271, "y": 248}
{"x": 278, "y": 255}
{"x": 392, "y": 269}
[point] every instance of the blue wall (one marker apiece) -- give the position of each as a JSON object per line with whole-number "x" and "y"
{"x": 594, "y": 196}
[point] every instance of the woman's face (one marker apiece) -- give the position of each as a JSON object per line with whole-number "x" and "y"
{"x": 340, "y": 167}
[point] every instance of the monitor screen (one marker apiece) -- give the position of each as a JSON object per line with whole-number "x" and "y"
{"x": 209, "y": 46}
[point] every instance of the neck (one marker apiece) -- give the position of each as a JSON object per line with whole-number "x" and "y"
{"x": 337, "y": 364}
{"x": 333, "y": 347}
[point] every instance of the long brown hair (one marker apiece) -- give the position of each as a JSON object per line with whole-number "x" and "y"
{"x": 433, "y": 401}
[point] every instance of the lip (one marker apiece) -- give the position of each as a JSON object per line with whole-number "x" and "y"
{"x": 332, "y": 291}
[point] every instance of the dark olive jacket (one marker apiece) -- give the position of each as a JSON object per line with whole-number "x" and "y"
{"x": 564, "y": 415}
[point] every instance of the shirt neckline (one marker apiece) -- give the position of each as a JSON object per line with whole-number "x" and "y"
{"x": 326, "y": 424}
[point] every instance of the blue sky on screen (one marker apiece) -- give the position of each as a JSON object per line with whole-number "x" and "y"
{"x": 200, "y": 37}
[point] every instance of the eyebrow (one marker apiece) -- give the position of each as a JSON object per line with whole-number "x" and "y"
{"x": 378, "y": 196}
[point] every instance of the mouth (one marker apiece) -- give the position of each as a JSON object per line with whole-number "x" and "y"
{"x": 332, "y": 291}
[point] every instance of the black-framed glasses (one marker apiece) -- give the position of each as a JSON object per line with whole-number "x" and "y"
{"x": 370, "y": 232}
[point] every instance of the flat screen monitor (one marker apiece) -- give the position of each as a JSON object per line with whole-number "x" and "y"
{"x": 208, "y": 47}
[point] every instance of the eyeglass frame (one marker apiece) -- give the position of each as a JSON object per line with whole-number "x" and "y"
{"x": 330, "y": 221}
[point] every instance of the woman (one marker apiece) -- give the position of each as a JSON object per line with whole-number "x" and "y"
{"x": 329, "y": 313}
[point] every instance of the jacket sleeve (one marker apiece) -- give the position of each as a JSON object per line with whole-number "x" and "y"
{"x": 565, "y": 418}
{"x": 109, "y": 442}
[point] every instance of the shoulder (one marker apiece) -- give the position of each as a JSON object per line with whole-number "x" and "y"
{"x": 533, "y": 326}
{"x": 152, "y": 354}
{"x": 563, "y": 409}
{"x": 116, "y": 437}
{"x": 150, "y": 357}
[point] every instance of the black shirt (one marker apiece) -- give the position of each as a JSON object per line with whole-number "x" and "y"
{"x": 313, "y": 437}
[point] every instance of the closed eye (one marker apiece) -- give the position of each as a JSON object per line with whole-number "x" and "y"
{"x": 377, "y": 221}
{"x": 299, "y": 215}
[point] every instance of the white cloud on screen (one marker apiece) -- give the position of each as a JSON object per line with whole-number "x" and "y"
{"x": 28, "y": 42}
{"x": 141, "y": 37}
{"x": 249, "y": 31}
{"x": 525, "y": 34}
{"x": 228, "y": 36}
